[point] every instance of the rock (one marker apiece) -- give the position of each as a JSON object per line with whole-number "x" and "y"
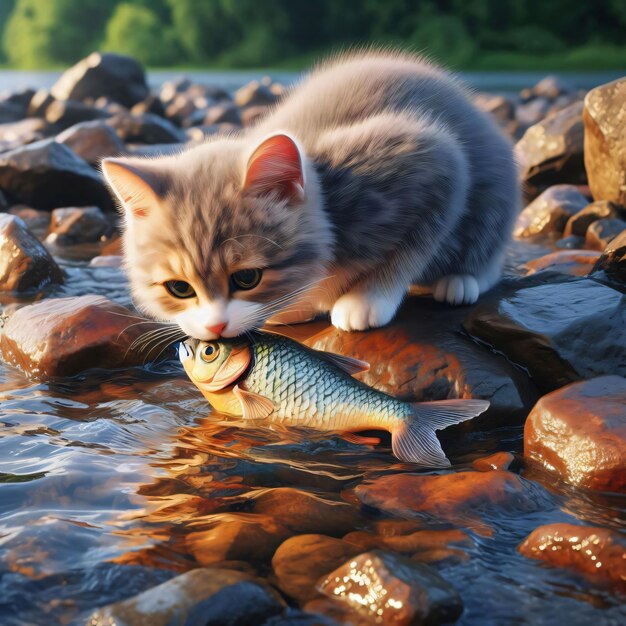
{"x": 602, "y": 232}
{"x": 40, "y": 101}
{"x": 497, "y": 461}
{"x": 152, "y": 104}
{"x": 458, "y": 498}
{"x": 253, "y": 115}
{"x": 147, "y": 128}
{"x": 578, "y": 223}
{"x": 549, "y": 87}
{"x": 107, "y": 260}
{"x": 388, "y": 589}
{"x": 605, "y": 141}
{"x": 25, "y": 131}
{"x": 66, "y": 113}
{"x": 570, "y": 243}
{"x": 613, "y": 259}
{"x": 501, "y": 107}
{"x": 551, "y": 151}
{"x": 25, "y": 265}
{"x": 72, "y": 225}
{"x": 572, "y": 262}
{"x": 20, "y": 98}
{"x": 114, "y": 76}
{"x": 92, "y": 141}
{"x": 200, "y": 597}
{"x": 10, "y": 112}
{"x": 549, "y": 212}
{"x": 596, "y": 553}
{"x": 47, "y": 174}
{"x": 226, "y": 112}
{"x": 433, "y": 361}
{"x": 38, "y": 222}
{"x": 182, "y": 108}
{"x": 560, "y": 332}
{"x": 301, "y": 561}
{"x": 156, "y": 150}
{"x": 531, "y": 112}
{"x": 64, "y": 336}
{"x": 255, "y": 93}
{"x": 237, "y": 537}
{"x": 294, "y": 617}
{"x": 579, "y": 433}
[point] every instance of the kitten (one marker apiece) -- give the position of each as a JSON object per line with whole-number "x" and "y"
{"x": 375, "y": 172}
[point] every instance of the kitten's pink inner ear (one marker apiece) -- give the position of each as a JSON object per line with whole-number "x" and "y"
{"x": 276, "y": 166}
{"x": 135, "y": 187}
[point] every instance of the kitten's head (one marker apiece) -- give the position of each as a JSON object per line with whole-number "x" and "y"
{"x": 223, "y": 236}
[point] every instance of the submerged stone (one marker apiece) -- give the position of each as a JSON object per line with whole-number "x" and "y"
{"x": 613, "y": 259}
{"x": 602, "y": 232}
{"x": 579, "y": 223}
{"x": 571, "y": 262}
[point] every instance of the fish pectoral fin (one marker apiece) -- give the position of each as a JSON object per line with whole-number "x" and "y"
{"x": 253, "y": 405}
{"x": 345, "y": 363}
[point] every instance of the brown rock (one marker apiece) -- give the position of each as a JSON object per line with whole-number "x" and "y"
{"x": 303, "y": 512}
{"x": 548, "y": 213}
{"x": 25, "y": 265}
{"x": 24, "y": 131}
{"x": 543, "y": 326}
{"x": 602, "y": 232}
{"x": 39, "y": 103}
{"x": 597, "y": 553}
{"x": 253, "y": 115}
{"x": 579, "y": 433}
{"x": 301, "y": 561}
{"x": 63, "y": 336}
{"x": 207, "y": 596}
{"x": 497, "y": 461}
{"x": 578, "y": 224}
{"x": 237, "y": 537}
{"x": 605, "y": 141}
{"x": 38, "y": 222}
{"x": 225, "y": 112}
{"x": 255, "y": 93}
{"x": 457, "y": 498}
{"x": 551, "y": 151}
{"x": 66, "y": 113}
{"x": 501, "y": 107}
{"x": 146, "y": 128}
{"x": 92, "y": 141}
{"x": 572, "y": 262}
{"x": 72, "y": 225}
{"x": 388, "y": 589}
{"x": 613, "y": 259}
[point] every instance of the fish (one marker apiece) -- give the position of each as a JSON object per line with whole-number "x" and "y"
{"x": 269, "y": 378}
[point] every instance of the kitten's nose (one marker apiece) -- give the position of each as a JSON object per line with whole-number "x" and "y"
{"x": 217, "y": 329}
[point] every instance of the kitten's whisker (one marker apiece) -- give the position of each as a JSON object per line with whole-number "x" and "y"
{"x": 142, "y": 338}
{"x": 168, "y": 342}
{"x": 136, "y": 324}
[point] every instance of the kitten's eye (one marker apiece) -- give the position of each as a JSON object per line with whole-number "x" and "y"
{"x": 209, "y": 352}
{"x": 180, "y": 289}
{"x": 246, "y": 279}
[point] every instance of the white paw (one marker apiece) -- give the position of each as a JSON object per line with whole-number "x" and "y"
{"x": 456, "y": 289}
{"x": 359, "y": 310}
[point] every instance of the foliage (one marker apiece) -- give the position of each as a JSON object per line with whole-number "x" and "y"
{"x": 460, "y": 33}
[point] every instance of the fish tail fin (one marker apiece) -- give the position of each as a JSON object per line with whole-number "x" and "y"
{"x": 414, "y": 439}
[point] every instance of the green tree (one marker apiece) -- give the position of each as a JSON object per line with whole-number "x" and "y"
{"x": 48, "y": 32}
{"x": 136, "y": 30}
{"x": 6, "y": 8}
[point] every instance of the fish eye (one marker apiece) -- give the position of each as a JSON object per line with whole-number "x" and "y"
{"x": 246, "y": 279}
{"x": 209, "y": 352}
{"x": 180, "y": 289}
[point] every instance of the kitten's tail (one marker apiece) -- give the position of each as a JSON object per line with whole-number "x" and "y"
{"x": 414, "y": 439}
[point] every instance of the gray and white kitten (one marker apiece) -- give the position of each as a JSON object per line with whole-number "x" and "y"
{"x": 374, "y": 173}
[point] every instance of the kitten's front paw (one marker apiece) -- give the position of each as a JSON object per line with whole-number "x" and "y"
{"x": 456, "y": 289}
{"x": 360, "y": 310}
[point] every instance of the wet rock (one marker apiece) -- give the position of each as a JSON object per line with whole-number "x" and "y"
{"x": 572, "y": 262}
{"x": 147, "y": 128}
{"x": 237, "y": 537}
{"x": 602, "y": 232}
{"x": 301, "y": 561}
{"x": 39, "y": 103}
{"x": 551, "y": 151}
{"x": 66, "y": 113}
{"x": 579, "y": 433}
{"x": 497, "y": 461}
{"x": 108, "y": 260}
{"x": 549, "y": 212}
{"x": 255, "y": 93}
{"x": 152, "y": 104}
{"x": 560, "y": 332}
{"x": 200, "y": 597}
{"x": 47, "y": 174}
{"x": 531, "y": 112}
{"x": 550, "y": 87}
{"x": 432, "y": 360}
{"x": 458, "y": 498}
{"x": 38, "y": 222}
{"x": 303, "y": 512}
{"x": 156, "y": 150}
{"x": 92, "y": 141}
{"x": 226, "y": 112}
{"x": 72, "y": 225}
{"x": 20, "y": 98}
{"x": 613, "y": 259}
{"x": 114, "y": 247}
{"x": 501, "y": 107}
{"x": 570, "y": 243}
{"x": 10, "y": 112}
{"x": 605, "y": 141}
{"x": 25, "y": 265}
{"x": 252, "y": 115}
{"x": 388, "y": 589}
{"x": 119, "y": 78}
{"x": 578, "y": 223}
{"x": 597, "y": 553}
{"x": 294, "y": 617}
{"x": 64, "y": 336}
{"x": 23, "y": 132}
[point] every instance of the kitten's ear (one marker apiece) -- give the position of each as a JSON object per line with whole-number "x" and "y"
{"x": 276, "y": 166}
{"x": 137, "y": 184}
